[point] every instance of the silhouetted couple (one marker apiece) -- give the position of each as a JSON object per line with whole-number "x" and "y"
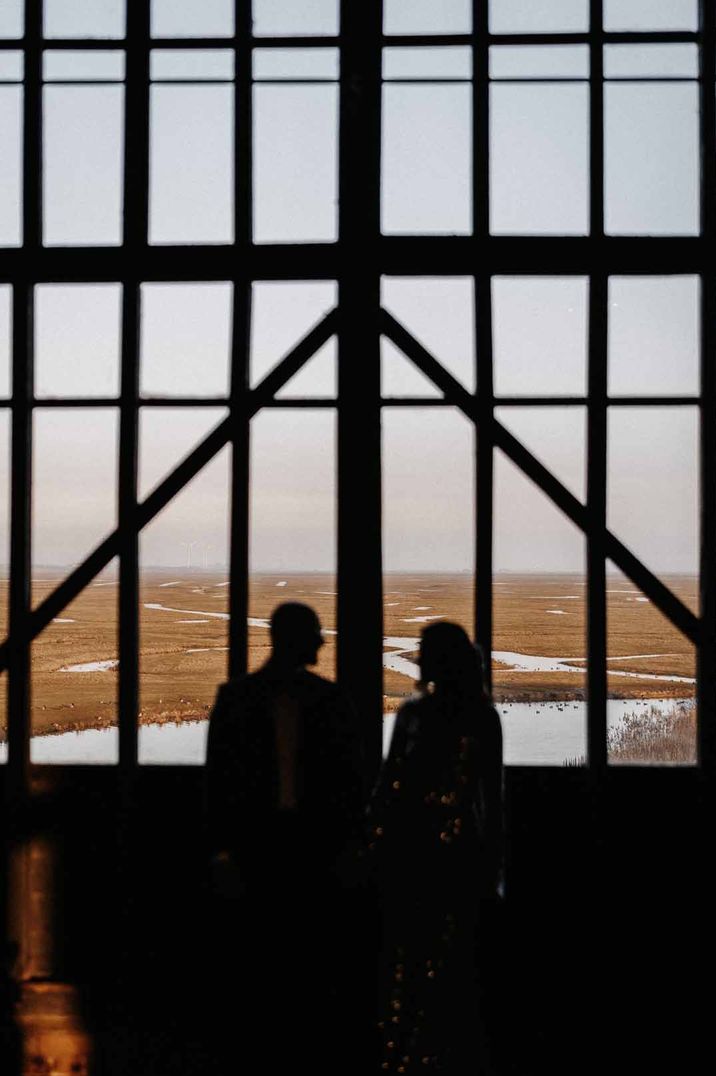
{"x": 289, "y": 825}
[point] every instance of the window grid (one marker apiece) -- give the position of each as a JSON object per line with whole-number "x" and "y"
{"x": 359, "y": 322}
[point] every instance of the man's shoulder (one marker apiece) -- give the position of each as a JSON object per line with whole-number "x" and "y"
{"x": 320, "y": 684}
{"x": 242, "y": 688}
{"x": 318, "y": 693}
{"x": 256, "y": 684}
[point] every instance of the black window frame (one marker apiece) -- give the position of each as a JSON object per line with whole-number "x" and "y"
{"x": 357, "y": 261}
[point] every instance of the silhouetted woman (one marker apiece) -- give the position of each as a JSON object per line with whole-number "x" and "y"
{"x": 436, "y": 839}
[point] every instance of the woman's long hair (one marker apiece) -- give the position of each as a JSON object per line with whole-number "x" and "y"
{"x": 450, "y": 662}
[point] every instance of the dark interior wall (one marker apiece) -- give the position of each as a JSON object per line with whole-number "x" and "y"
{"x": 601, "y": 936}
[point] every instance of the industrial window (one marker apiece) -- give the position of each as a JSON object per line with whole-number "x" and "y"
{"x": 403, "y": 309}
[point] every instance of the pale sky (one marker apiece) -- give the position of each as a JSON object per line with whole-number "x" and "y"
{"x": 539, "y": 139}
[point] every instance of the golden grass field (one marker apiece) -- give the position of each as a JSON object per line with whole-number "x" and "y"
{"x": 182, "y": 655}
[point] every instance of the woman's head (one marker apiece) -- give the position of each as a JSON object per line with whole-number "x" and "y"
{"x": 449, "y": 660}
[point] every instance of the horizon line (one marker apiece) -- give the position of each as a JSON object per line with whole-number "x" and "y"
{"x": 224, "y": 569}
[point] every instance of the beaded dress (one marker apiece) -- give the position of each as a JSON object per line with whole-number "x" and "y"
{"x": 435, "y": 839}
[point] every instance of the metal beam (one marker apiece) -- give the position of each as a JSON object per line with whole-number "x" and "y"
{"x": 360, "y": 583}
{"x": 706, "y": 656}
{"x": 660, "y": 595}
{"x": 395, "y": 255}
{"x": 240, "y": 352}
{"x": 175, "y": 481}
{"x": 136, "y": 216}
{"x": 484, "y": 462}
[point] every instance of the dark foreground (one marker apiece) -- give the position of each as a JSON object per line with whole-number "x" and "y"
{"x": 602, "y": 929}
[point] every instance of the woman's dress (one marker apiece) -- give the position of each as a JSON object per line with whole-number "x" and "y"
{"x": 435, "y": 839}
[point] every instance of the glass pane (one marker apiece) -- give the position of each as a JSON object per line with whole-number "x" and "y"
{"x": 82, "y": 66}
{"x": 184, "y": 613}
{"x": 651, "y": 61}
{"x": 426, "y": 176}
{"x": 651, "y": 158}
{"x": 77, "y": 339}
{"x": 166, "y": 436}
{"x": 651, "y": 677}
{"x": 317, "y": 378}
{"x": 74, "y": 494}
{"x": 651, "y": 15}
{"x": 296, "y": 63}
{"x": 539, "y": 159}
{"x": 276, "y": 17}
{"x": 191, "y": 164}
{"x": 538, "y": 16}
{"x": 428, "y": 531}
{"x": 539, "y": 624}
{"x": 11, "y": 166}
{"x": 295, "y": 163}
{"x": 83, "y": 155}
{"x": 11, "y": 66}
{"x": 185, "y": 339}
{"x": 440, "y": 313}
{"x": 210, "y": 18}
{"x": 400, "y": 377}
{"x": 172, "y": 64}
{"x": 293, "y": 523}
{"x": 426, "y": 17}
{"x": 12, "y": 18}
{"x": 281, "y": 314}
{"x": 5, "y": 339}
{"x": 540, "y": 335}
{"x": 539, "y": 61}
{"x": 84, "y": 18}
{"x": 427, "y": 63}
{"x": 654, "y": 335}
{"x": 556, "y": 436}
{"x": 653, "y": 501}
{"x": 75, "y": 677}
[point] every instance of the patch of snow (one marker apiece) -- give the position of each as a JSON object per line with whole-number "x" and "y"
{"x": 191, "y": 612}
{"x": 90, "y": 666}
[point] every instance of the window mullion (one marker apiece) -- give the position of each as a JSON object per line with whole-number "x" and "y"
{"x": 484, "y": 447}
{"x": 706, "y": 657}
{"x": 240, "y": 414}
{"x": 359, "y": 611}
{"x": 135, "y": 237}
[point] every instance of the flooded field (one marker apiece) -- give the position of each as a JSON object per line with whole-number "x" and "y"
{"x": 538, "y": 658}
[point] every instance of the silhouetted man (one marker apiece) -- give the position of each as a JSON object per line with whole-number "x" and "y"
{"x": 285, "y": 794}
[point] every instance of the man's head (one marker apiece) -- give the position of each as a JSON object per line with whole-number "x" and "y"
{"x": 295, "y": 634}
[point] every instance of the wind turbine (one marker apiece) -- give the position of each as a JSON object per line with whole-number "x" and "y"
{"x": 189, "y": 547}
{"x": 206, "y": 556}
